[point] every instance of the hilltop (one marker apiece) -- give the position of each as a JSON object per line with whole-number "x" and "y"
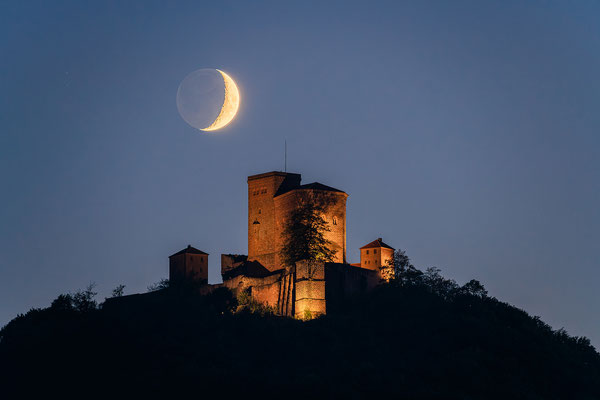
{"x": 420, "y": 337}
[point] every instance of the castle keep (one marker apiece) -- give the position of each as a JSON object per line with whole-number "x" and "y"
{"x": 271, "y": 197}
{"x": 308, "y": 289}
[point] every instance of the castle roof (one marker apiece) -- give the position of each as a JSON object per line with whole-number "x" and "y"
{"x": 273, "y": 173}
{"x": 320, "y": 186}
{"x": 189, "y": 250}
{"x": 235, "y": 258}
{"x": 377, "y": 243}
{"x": 251, "y": 269}
{"x": 311, "y": 186}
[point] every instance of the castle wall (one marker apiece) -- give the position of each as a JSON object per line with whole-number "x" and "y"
{"x": 344, "y": 281}
{"x": 267, "y": 294}
{"x": 242, "y": 282}
{"x": 310, "y": 299}
{"x": 231, "y": 261}
{"x": 287, "y": 295}
{"x": 308, "y": 291}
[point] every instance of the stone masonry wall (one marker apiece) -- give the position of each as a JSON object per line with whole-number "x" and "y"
{"x": 261, "y": 216}
{"x": 188, "y": 266}
{"x": 310, "y": 290}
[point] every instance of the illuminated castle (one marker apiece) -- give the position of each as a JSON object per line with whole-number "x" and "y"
{"x": 307, "y": 289}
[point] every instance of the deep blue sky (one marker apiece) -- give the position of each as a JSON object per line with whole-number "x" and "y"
{"x": 466, "y": 133}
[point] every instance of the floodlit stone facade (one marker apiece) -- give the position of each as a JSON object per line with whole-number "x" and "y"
{"x": 375, "y": 255}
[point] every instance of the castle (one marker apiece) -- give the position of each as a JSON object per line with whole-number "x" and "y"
{"x": 308, "y": 289}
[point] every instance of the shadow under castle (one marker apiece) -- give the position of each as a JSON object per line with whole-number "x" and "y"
{"x": 309, "y": 288}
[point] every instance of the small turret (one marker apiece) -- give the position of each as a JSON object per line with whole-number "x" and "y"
{"x": 375, "y": 255}
{"x": 189, "y": 264}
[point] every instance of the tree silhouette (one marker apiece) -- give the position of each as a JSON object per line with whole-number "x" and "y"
{"x": 83, "y": 300}
{"x": 399, "y": 269}
{"x": 473, "y": 288}
{"x": 160, "y": 285}
{"x": 118, "y": 291}
{"x": 303, "y": 234}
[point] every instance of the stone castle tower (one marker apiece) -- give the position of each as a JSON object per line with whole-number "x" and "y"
{"x": 189, "y": 263}
{"x": 271, "y": 197}
{"x": 376, "y": 254}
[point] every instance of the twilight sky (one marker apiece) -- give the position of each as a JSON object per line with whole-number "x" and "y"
{"x": 464, "y": 132}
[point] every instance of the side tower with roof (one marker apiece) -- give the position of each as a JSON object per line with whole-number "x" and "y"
{"x": 189, "y": 264}
{"x": 375, "y": 255}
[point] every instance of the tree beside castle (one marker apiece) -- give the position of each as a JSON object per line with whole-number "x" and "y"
{"x": 303, "y": 235}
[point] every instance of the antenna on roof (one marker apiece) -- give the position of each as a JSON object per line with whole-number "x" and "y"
{"x": 285, "y": 157}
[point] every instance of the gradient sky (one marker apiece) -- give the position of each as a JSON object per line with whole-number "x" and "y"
{"x": 464, "y": 132}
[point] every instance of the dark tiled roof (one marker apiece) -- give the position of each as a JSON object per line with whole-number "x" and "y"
{"x": 251, "y": 269}
{"x": 320, "y": 186}
{"x": 290, "y": 182}
{"x": 312, "y": 186}
{"x": 235, "y": 258}
{"x": 272, "y": 173}
{"x": 377, "y": 243}
{"x": 189, "y": 250}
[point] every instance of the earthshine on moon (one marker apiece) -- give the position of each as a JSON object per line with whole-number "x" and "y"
{"x": 208, "y": 99}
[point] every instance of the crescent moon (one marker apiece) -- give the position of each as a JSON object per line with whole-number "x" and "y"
{"x": 230, "y": 104}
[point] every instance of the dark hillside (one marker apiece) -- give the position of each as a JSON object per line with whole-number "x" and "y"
{"x": 421, "y": 339}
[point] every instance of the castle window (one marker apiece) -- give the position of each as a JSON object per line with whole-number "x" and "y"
{"x": 367, "y": 251}
{"x": 259, "y": 211}
{"x": 374, "y": 251}
{"x": 334, "y": 220}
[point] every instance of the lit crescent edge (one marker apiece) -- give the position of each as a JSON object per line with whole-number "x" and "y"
{"x": 230, "y": 104}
